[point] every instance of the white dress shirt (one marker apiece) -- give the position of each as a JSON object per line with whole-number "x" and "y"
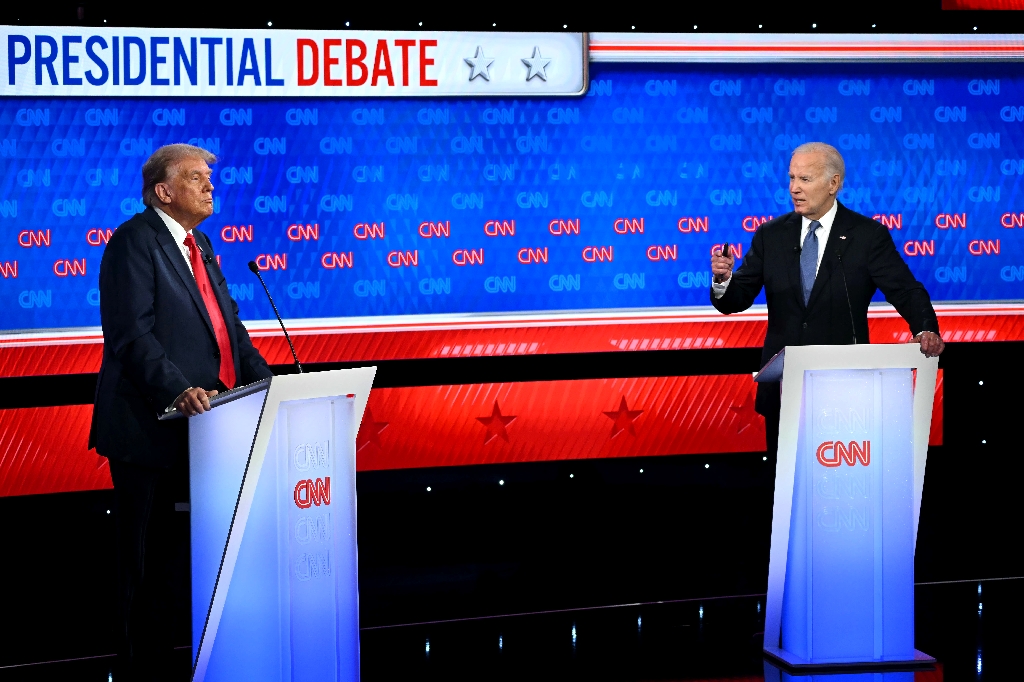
{"x": 718, "y": 288}
{"x": 178, "y": 233}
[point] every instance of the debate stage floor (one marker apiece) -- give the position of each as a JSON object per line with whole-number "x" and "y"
{"x": 973, "y": 628}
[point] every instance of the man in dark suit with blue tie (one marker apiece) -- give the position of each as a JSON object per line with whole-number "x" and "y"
{"x": 171, "y": 338}
{"x": 819, "y": 266}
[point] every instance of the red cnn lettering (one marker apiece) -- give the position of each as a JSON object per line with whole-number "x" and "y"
{"x": 1012, "y": 220}
{"x": 303, "y": 233}
{"x": 310, "y": 492}
{"x": 688, "y": 224}
{"x": 735, "y": 250}
{"x": 559, "y": 227}
{"x": 628, "y": 225}
{"x": 301, "y": 46}
{"x": 403, "y": 259}
{"x": 272, "y": 261}
{"x": 750, "y": 223}
{"x": 597, "y": 254}
{"x": 355, "y": 54}
{"x": 330, "y": 61}
{"x": 30, "y": 238}
{"x": 983, "y": 247}
{"x": 945, "y": 221}
{"x": 430, "y": 230}
{"x": 9, "y": 269}
{"x": 500, "y": 228}
{"x": 332, "y": 260}
{"x": 426, "y": 61}
{"x": 842, "y": 453}
{"x": 657, "y": 253}
{"x": 382, "y": 64}
{"x": 893, "y": 221}
{"x": 69, "y": 268}
{"x": 368, "y": 231}
{"x": 236, "y": 233}
{"x": 463, "y": 257}
{"x": 94, "y": 237}
{"x": 527, "y": 256}
{"x": 919, "y": 248}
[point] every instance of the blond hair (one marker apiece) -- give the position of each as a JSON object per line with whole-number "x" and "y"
{"x": 159, "y": 165}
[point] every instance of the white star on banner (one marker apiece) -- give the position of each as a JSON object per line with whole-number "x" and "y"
{"x": 538, "y": 65}
{"x": 481, "y": 65}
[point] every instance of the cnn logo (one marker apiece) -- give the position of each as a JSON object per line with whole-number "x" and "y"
{"x": 850, "y": 453}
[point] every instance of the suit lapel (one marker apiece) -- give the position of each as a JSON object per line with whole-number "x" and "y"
{"x": 791, "y": 238}
{"x": 177, "y": 261}
{"x": 838, "y": 240}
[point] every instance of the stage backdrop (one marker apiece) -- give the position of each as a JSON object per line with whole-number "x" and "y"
{"x": 425, "y": 226}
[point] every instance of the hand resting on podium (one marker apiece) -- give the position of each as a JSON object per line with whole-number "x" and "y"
{"x": 193, "y": 401}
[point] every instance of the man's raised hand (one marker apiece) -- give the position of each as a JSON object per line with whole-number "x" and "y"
{"x": 721, "y": 266}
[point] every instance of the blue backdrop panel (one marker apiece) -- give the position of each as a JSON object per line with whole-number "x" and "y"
{"x": 338, "y": 198}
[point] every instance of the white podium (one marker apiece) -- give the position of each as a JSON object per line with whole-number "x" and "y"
{"x": 853, "y": 443}
{"x": 275, "y": 594}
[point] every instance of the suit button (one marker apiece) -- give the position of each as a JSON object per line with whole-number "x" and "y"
{"x": 805, "y": 325}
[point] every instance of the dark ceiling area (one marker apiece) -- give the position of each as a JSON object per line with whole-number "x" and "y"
{"x": 910, "y": 16}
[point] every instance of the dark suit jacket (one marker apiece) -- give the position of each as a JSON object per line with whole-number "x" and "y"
{"x": 157, "y": 341}
{"x": 870, "y": 261}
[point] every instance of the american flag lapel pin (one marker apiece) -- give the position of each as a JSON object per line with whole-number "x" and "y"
{"x": 842, "y": 236}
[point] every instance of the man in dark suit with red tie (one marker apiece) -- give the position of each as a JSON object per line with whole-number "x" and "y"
{"x": 171, "y": 338}
{"x": 819, "y": 267}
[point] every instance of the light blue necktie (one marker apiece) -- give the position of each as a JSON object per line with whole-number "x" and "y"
{"x": 809, "y": 260}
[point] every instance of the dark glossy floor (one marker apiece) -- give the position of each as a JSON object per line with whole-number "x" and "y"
{"x": 974, "y": 630}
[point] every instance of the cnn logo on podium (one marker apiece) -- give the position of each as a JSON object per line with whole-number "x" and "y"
{"x": 850, "y": 453}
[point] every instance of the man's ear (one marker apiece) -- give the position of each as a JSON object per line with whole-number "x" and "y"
{"x": 163, "y": 192}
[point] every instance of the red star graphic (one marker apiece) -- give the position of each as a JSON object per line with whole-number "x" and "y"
{"x": 623, "y": 418}
{"x": 745, "y": 414}
{"x": 496, "y": 424}
{"x": 369, "y": 431}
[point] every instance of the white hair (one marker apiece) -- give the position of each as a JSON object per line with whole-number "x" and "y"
{"x": 834, "y": 164}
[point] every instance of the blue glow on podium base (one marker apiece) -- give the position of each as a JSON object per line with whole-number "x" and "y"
{"x": 275, "y": 594}
{"x": 848, "y": 485}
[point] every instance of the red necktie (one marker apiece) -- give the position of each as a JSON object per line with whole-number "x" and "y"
{"x": 220, "y": 330}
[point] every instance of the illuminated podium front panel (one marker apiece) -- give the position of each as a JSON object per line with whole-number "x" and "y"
{"x": 852, "y": 450}
{"x": 273, "y": 502}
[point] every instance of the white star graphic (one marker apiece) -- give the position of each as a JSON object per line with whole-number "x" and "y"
{"x": 537, "y": 65}
{"x": 481, "y": 65}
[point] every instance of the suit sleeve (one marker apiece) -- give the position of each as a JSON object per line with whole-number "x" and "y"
{"x": 889, "y": 272}
{"x": 746, "y": 282}
{"x": 252, "y": 364}
{"x": 127, "y": 311}
{"x": 254, "y": 367}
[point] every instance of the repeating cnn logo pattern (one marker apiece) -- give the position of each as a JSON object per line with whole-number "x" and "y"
{"x": 364, "y": 207}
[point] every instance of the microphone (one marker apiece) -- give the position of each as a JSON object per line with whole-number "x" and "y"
{"x": 849, "y": 307}
{"x": 256, "y": 271}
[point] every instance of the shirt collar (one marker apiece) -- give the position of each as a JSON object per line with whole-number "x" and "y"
{"x": 825, "y": 220}
{"x": 177, "y": 231}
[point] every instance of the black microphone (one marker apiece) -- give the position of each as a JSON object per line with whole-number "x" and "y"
{"x": 256, "y": 271}
{"x": 849, "y": 307}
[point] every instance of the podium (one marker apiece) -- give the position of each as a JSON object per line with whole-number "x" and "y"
{"x": 275, "y": 593}
{"x": 853, "y": 444}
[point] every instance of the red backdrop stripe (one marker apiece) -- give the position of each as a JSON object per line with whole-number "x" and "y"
{"x": 43, "y": 450}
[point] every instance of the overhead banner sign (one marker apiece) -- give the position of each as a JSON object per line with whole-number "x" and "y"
{"x": 117, "y": 62}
